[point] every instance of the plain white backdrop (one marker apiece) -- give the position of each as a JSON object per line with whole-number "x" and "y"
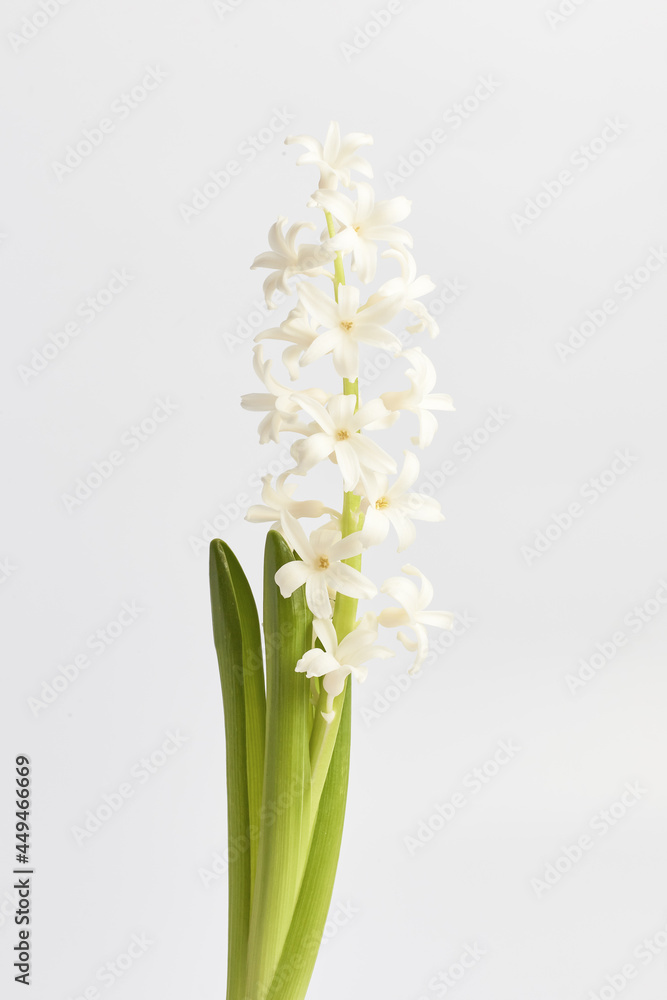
{"x": 540, "y": 214}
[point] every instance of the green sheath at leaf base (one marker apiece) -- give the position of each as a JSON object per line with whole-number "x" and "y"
{"x": 285, "y": 821}
{"x": 303, "y": 941}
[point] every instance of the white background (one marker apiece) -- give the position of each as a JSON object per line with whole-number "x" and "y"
{"x": 406, "y": 912}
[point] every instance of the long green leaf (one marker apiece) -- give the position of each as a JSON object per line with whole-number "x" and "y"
{"x": 255, "y": 701}
{"x": 303, "y": 941}
{"x": 238, "y": 645}
{"x": 285, "y": 820}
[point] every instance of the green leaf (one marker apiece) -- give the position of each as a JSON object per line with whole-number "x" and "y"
{"x": 303, "y": 940}
{"x": 238, "y": 645}
{"x": 285, "y": 820}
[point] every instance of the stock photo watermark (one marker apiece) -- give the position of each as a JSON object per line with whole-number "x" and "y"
{"x": 116, "y": 968}
{"x": 472, "y": 783}
{"x": 251, "y": 322}
{"x": 444, "y": 981}
{"x": 230, "y": 511}
{"x": 591, "y": 491}
{"x": 224, "y": 7}
{"x": 131, "y": 440}
{"x": 634, "y": 622}
{"x": 400, "y": 683}
{"x": 32, "y": 24}
{"x": 7, "y": 569}
{"x": 140, "y": 774}
{"x": 583, "y": 157}
{"x": 464, "y": 449}
{"x": 447, "y": 293}
{"x": 98, "y": 642}
{"x": 652, "y": 946}
{"x": 86, "y": 312}
{"x": 219, "y": 180}
{"x": 220, "y": 861}
{"x": 624, "y": 290}
{"x": 340, "y": 915}
{"x": 598, "y": 827}
{"x": 8, "y": 903}
{"x": 364, "y": 34}
{"x": 562, "y": 12}
{"x": 120, "y": 110}
{"x": 452, "y": 120}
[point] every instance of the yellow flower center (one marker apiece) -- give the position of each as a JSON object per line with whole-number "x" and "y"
{"x": 356, "y": 228}
{"x": 323, "y": 562}
{"x": 381, "y": 503}
{"x": 346, "y": 325}
{"x": 342, "y": 435}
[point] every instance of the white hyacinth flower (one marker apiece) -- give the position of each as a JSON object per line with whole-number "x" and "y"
{"x": 412, "y": 613}
{"x": 364, "y": 223}
{"x": 411, "y": 288}
{"x": 338, "y": 660}
{"x": 279, "y": 498}
{"x": 297, "y": 330}
{"x": 394, "y": 505}
{"x": 337, "y": 436}
{"x": 419, "y": 399}
{"x": 280, "y": 403}
{"x": 336, "y": 157}
{"x": 320, "y": 566}
{"x": 287, "y": 260}
{"x": 347, "y": 326}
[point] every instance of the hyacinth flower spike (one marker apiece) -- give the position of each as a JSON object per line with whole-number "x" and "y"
{"x": 286, "y": 685}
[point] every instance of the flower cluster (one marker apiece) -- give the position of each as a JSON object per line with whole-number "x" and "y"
{"x": 337, "y": 320}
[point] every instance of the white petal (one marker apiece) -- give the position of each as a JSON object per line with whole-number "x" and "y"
{"x": 350, "y": 581}
{"x": 342, "y": 242}
{"x": 316, "y": 411}
{"x": 338, "y": 204}
{"x": 439, "y": 619}
{"x": 365, "y": 254}
{"x": 346, "y": 548}
{"x": 407, "y": 475}
{"x": 376, "y": 527}
{"x": 315, "y": 663}
{"x": 428, "y": 425}
{"x": 326, "y": 633}
{"x": 323, "y": 344}
{"x": 439, "y": 401}
{"x": 392, "y": 210}
{"x": 311, "y": 451}
{"x": 405, "y": 529}
{"x": 403, "y": 591}
{"x": 291, "y": 576}
{"x": 317, "y": 595}
{"x": 321, "y": 307}
{"x": 334, "y": 682}
{"x": 382, "y": 308}
{"x": 297, "y": 537}
{"x": 372, "y": 455}
{"x": 341, "y": 410}
{"x": 258, "y": 514}
{"x": 422, "y": 508}
{"x": 348, "y": 463}
{"x": 346, "y": 357}
{"x": 393, "y": 618}
{"x": 370, "y": 412}
{"x": 393, "y": 234}
{"x": 348, "y": 301}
